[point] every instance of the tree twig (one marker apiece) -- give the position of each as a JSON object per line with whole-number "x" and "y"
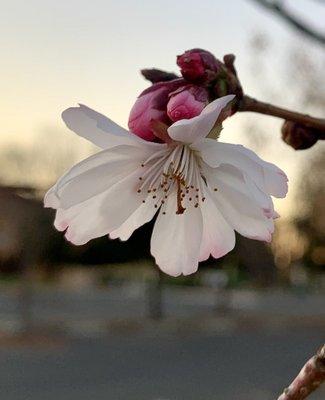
{"x": 249, "y": 104}
{"x": 309, "y": 378}
{"x": 278, "y": 9}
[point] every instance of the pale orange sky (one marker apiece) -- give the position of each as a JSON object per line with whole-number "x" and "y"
{"x": 55, "y": 53}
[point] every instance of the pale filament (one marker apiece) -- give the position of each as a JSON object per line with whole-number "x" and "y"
{"x": 174, "y": 169}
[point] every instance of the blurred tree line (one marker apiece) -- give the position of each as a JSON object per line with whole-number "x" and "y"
{"x": 299, "y": 239}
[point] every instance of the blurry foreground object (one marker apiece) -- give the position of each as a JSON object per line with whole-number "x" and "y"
{"x": 309, "y": 378}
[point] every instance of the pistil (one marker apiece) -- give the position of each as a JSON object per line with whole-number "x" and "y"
{"x": 180, "y": 208}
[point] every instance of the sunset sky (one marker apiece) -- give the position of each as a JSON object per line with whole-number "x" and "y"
{"x": 55, "y": 54}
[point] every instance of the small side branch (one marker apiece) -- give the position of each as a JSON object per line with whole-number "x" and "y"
{"x": 253, "y": 105}
{"x": 278, "y": 9}
{"x": 309, "y": 378}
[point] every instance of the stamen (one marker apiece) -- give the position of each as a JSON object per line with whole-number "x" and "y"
{"x": 184, "y": 159}
{"x": 173, "y": 169}
{"x": 189, "y": 173}
{"x": 156, "y": 155}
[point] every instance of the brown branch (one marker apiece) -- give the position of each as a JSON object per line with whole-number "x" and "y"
{"x": 278, "y": 9}
{"x": 309, "y": 378}
{"x": 249, "y": 104}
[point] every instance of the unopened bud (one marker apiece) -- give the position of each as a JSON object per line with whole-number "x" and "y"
{"x": 157, "y": 75}
{"x": 300, "y": 136}
{"x": 199, "y": 66}
{"x": 152, "y": 105}
{"x": 187, "y": 102}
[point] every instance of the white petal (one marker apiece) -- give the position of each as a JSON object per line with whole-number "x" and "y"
{"x": 235, "y": 178}
{"x": 176, "y": 239}
{"x": 52, "y": 198}
{"x": 268, "y": 177}
{"x": 141, "y": 216}
{"x": 92, "y": 177}
{"x": 264, "y": 200}
{"x": 97, "y": 128}
{"x": 103, "y": 213}
{"x": 191, "y": 130}
{"x": 218, "y": 236}
{"x": 276, "y": 181}
{"x": 237, "y": 205}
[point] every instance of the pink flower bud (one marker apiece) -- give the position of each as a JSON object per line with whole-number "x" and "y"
{"x": 187, "y": 102}
{"x": 151, "y": 105}
{"x": 199, "y": 66}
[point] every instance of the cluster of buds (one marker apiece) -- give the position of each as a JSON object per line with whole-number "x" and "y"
{"x": 171, "y": 98}
{"x": 300, "y": 136}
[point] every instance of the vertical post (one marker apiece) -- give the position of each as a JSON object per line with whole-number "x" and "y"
{"x": 154, "y": 296}
{"x": 25, "y": 300}
{"x": 222, "y": 300}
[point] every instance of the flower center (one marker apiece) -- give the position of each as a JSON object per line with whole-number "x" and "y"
{"x": 173, "y": 170}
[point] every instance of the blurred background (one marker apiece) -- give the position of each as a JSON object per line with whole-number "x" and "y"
{"x": 99, "y": 321}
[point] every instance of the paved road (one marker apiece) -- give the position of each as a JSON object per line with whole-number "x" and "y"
{"x": 233, "y": 365}
{"x": 55, "y": 305}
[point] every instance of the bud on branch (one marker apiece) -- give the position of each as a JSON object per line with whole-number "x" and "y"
{"x": 300, "y": 136}
{"x": 204, "y": 79}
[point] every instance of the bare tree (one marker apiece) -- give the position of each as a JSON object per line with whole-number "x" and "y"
{"x": 277, "y": 8}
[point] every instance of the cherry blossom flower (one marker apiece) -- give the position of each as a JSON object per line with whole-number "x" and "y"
{"x": 202, "y": 190}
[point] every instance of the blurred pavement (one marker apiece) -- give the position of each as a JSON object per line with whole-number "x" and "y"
{"x": 99, "y": 344}
{"x": 229, "y": 366}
